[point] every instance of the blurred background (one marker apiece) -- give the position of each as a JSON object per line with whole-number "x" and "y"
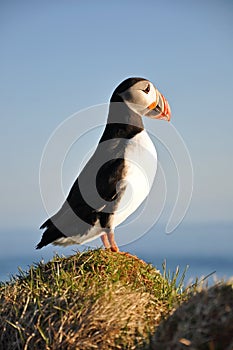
{"x": 59, "y": 57}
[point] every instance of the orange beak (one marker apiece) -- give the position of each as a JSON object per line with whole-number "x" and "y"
{"x": 160, "y": 109}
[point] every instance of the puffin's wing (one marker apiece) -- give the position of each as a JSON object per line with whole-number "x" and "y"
{"x": 94, "y": 191}
{"x": 98, "y": 182}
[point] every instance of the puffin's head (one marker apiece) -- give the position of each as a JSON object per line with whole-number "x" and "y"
{"x": 142, "y": 97}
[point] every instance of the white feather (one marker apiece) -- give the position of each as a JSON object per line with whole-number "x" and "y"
{"x": 91, "y": 234}
{"x": 141, "y": 163}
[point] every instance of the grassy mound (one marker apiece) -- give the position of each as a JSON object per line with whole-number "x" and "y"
{"x": 204, "y": 322}
{"x": 92, "y": 300}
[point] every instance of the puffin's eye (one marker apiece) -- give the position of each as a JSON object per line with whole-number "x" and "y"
{"x": 147, "y": 89}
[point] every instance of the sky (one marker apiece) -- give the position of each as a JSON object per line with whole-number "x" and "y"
{"x": 60, "y": 57}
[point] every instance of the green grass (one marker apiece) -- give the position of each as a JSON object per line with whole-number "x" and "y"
{"x": 92, "y": 300}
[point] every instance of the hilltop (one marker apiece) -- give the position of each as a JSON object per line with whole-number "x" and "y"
{"x": 101, "y": 300}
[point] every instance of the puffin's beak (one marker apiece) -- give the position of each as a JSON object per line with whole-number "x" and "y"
{"x": 160, "y": 109}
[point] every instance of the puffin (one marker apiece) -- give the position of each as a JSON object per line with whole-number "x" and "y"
{"x": 118, "y": 176}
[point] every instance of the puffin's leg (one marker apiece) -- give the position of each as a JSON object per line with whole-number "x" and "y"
{"x": 109, "y": 242}
{"x": 114, "y": 247}
{"x": 105, "y": 241}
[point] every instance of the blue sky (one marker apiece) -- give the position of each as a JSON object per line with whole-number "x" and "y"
{"x": 58, "y": 57}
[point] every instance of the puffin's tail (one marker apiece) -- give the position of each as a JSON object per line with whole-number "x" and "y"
{"x": 50, "y": 235}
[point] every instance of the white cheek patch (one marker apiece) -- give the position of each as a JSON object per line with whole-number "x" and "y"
{"x": 137, "y": 100}
{"x": 152, "y": 96}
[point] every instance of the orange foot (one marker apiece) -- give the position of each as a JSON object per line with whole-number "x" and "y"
{"x": 114, "y": 248}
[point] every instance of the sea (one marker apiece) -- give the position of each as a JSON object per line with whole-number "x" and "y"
{"x": 204, "y": 251}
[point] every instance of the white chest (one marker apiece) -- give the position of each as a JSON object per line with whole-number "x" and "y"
{"x": 141, "y": 166}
